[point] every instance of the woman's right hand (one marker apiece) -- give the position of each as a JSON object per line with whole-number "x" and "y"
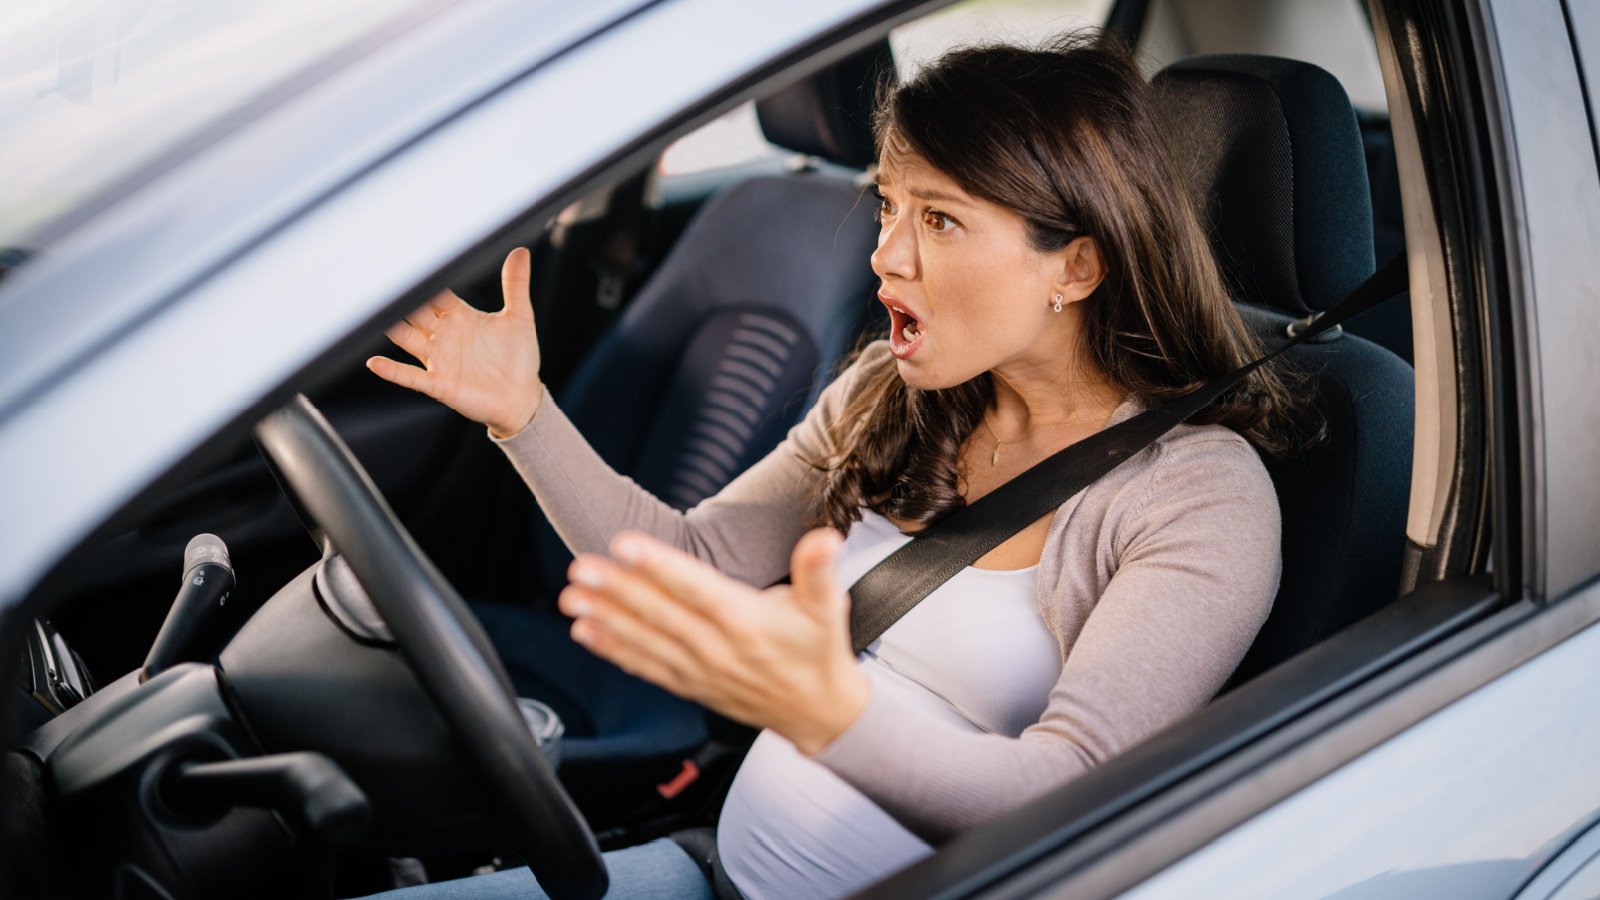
{"x": 482, "y": 365}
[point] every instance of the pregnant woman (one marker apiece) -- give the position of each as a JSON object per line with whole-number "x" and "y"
{"x": 1045, "y": 275}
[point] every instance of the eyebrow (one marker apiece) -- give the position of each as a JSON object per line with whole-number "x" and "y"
{"x": 938, "y": 196}
{"x": 924, "y": 194}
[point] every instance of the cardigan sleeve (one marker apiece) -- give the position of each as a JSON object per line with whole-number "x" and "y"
{"x": 1198, "y": 566}
{"x": 747, "y": 530}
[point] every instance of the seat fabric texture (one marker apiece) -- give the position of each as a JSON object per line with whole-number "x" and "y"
{"x": 1292, "y": 211}
{"x": 1275, "y": 158}
{"x": 1344, "y": 501}
{"x": 718, "y": 355}
{"x": 747, "y": 317}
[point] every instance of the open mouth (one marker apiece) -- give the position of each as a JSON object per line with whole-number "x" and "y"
{"x": 905, "y": 330}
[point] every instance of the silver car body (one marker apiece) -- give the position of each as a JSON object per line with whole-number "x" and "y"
{"x": 1464, "y": 774}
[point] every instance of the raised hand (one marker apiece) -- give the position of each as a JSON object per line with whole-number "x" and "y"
{"x": 482, "y": 365}
{"x": 778, "y": 658}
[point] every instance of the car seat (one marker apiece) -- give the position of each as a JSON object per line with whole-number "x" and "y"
{"x": 1275, "y": 157}
{"x": 718, "y": 355}
{"x": 747, "y": 316}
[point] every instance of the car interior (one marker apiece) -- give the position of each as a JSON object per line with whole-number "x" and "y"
{"x": 688, "y": 319}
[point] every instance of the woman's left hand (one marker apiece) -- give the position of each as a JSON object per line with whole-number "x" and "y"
{"x": 777, "y": 658}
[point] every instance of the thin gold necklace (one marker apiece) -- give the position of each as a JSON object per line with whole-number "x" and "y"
{"x": 994, "y": 456}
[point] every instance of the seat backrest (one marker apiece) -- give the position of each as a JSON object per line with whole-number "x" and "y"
{"x": 1275, "y": 156}
{"x": 749, "y": 313}
{"x": 1273, "y": 135}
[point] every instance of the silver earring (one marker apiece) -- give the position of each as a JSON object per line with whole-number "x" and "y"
{"x": 1056, "y": 305}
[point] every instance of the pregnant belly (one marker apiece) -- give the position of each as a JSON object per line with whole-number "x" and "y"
{"x": 792, "y": 828}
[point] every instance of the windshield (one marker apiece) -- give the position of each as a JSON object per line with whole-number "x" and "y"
{"x": 97, "y": 92}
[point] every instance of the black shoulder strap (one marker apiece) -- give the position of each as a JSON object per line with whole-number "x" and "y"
{"x": 891, "y": 588}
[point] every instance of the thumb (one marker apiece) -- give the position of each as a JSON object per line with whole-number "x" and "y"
{"x": 514, "y": 278}
{"x": 813, "y": 576}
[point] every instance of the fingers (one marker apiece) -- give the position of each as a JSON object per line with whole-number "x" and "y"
{"x": 813, "y": 575}
{"x": 409, "y": 338}
{"x": 400, "y": 373}
{"x": 633, "y": 645}
{"x": 444, "y": 303}
{"x": 642, "y": 599}
{"x": 514, "y": 278}
{"x": 693, "y": 582}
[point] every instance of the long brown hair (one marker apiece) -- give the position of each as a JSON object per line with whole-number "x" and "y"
{"x": 1065, "y": 136}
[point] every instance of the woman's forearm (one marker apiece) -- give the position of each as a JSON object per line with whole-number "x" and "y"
{"x": 746, "y": 530}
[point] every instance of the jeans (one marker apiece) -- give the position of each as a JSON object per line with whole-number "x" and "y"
{"x": 659, "y": 870}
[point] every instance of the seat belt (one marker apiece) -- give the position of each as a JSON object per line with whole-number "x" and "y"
{"x": 934, "y": 555}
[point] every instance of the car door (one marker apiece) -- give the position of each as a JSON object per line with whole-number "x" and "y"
{"x": 1454, "y": 757}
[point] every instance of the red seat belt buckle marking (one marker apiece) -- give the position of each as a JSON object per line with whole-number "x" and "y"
{"x": 683, "y": 779}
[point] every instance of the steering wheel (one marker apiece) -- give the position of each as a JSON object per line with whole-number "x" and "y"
{"x": 442, "y": 642}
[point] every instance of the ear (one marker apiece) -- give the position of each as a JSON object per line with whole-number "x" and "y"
{"x": 1082, "y": 268}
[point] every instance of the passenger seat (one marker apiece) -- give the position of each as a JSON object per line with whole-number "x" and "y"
{"x": 746, "y": 318}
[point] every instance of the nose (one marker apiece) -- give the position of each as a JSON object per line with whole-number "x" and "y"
{"x": 897, "y": 250}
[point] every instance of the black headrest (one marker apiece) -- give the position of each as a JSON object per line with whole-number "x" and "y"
{"x": 1274, "y": 153}
{"x": 829, "y": 114}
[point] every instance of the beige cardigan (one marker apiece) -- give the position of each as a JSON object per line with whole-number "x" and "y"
{"x": 1154, "y": 580}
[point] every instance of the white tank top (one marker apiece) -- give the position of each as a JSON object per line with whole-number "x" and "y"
{"x": 975, "y": 652}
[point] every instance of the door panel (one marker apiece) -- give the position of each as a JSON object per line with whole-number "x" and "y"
{"x": 1468, "y": 803}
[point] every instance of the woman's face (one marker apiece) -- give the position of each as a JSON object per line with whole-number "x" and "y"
{"x": 966, "y": 292}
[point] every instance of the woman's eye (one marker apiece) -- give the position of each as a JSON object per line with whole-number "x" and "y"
{"x": 938, "y": 221}
{"x": 885, "y": 208}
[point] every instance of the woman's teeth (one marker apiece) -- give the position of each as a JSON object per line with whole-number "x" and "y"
{"x": 910, "y": 332}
